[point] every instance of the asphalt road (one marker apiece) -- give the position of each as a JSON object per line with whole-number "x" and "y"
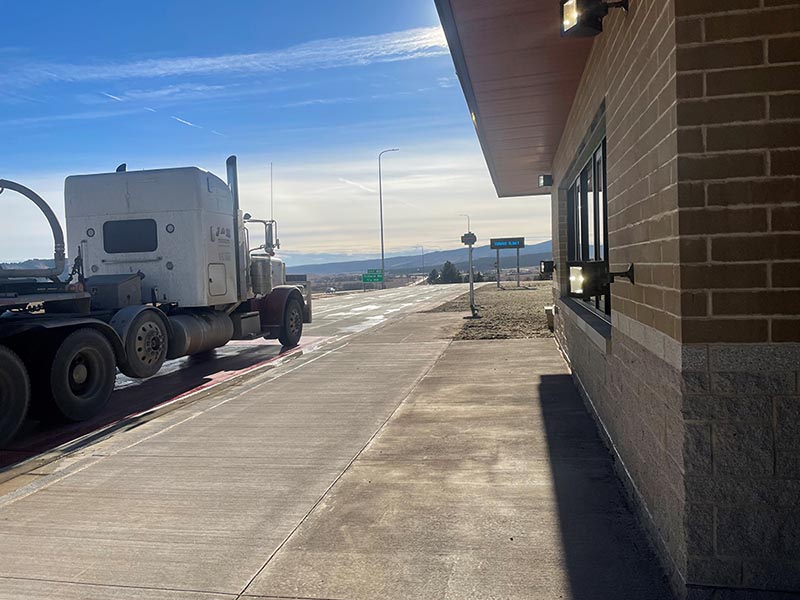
{"x": 336, "y": 317}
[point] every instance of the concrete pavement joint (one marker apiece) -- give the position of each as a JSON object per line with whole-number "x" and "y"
{"x": 48, "y": 481}
{"x": 341, "y": 474}
{"x": 128, "y": 423}
{"x": 124, "y": 587}
{"x": 135, "y": 420}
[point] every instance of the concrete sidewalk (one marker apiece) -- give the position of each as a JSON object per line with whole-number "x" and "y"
{"x": 488, "y": 480}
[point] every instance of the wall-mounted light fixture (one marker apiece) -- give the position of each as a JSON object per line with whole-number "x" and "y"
{"x": 546, "y": 267}
{"x": 545, "y": 180}
{"x": 584, "y": 18}
{"x": 592, "y": 278}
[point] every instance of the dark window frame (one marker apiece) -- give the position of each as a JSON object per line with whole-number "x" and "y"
{"x": 579, "y": 201}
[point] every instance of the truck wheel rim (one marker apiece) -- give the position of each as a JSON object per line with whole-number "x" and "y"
{"x": 82, "y": 372}
{"x": 5, "y": 396}
{"x": 294, "y": 321}
{"x": 149, "y": 343}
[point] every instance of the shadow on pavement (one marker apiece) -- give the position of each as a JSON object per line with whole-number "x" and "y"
{"x": 178, "y": 377}
{"x": 608, "y": 556}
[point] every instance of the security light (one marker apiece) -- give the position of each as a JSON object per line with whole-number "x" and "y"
{"x": 592, "y": 278}
{"x": 584, "y": 18}
{"x": 546, "y": 267}
{"x": 545, "y": 180}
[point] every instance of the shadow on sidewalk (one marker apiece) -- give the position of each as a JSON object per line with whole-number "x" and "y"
{"x": 178, "y": 377}
{"x": 607, "y": 554}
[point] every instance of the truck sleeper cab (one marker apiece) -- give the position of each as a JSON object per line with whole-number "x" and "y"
{"x": 163, "y": 271}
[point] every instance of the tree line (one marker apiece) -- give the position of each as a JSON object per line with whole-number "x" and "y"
{"x": 451, "y": 274}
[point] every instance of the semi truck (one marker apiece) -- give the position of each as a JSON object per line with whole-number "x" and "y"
{"x": 162, "y": 269}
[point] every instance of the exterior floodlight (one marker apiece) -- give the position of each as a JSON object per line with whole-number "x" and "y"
{"x": 588, "y": 278}
{"x": 545, "y": 180}
{"x": 546, "y": 267}
{"x": 592, "y": 278}
{"x": 584, "y": 18}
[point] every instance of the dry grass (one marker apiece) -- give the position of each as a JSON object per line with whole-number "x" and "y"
{"x": 506, "y": 313}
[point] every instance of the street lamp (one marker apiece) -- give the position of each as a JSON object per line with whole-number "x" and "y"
{"x": 380, "y": 200}
{"x": 469, "y": 228}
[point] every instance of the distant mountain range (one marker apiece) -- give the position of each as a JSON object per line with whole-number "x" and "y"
{"x": 483, "y": 259}
{"x": 31, "y": 263}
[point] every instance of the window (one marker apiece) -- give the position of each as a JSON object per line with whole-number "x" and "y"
{"x": 587, "y": 219}
{"x": 133, "y": 235}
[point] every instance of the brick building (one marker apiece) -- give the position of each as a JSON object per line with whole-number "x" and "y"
{"x": 673, "y": 140}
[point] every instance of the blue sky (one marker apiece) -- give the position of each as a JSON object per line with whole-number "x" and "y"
{"x": 316, "y": 87}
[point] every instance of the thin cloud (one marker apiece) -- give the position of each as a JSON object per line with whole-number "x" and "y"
{"x": 78, "y": 116}
{"x": 358, "y": 185}
{"x": 320, "y": 54}
{"x": 173, "y": 92}
{"x": 150, "y": 109}
{"x": 185, "y": 122}
{"x": 112, "y": 96}
{"x": 318, "y": 102}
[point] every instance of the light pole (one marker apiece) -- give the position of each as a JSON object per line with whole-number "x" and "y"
{"x": 380, "y": 201}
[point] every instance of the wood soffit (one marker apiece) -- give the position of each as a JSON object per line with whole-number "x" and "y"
{"x": 519, "y": 77}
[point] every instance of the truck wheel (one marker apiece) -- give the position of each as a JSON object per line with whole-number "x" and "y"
{"x": 82, "y": 375}
{"x": 292, "y": 327}
{"x": 15, "y": 393}
{"x": 145, "y": 345}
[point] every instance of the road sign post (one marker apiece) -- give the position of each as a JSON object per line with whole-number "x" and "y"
{"x": 469, "y": 239}
{"x": 516, "y": 243}
{"x": 497, "y": 266}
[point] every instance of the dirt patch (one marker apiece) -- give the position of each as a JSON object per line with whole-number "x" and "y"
{"x": 510, "y": 313}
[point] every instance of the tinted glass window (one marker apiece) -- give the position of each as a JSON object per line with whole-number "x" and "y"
{"x": 133, "y": 235}
{"x": 587, "y": 225}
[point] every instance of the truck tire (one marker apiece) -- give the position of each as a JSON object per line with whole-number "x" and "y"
{"x": 81, "y": 376}
{"x": 292, "y": 325}
{"x": 145, "y": 345}
{"x": 15, "y": 394}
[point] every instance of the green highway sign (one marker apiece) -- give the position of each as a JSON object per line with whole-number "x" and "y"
{"x": 373, "y": 271}
{"x": 372, "y": 278}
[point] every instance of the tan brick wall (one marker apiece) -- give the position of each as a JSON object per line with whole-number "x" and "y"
{"x": 738, "y": 68}
{"x": 632, "y": 67}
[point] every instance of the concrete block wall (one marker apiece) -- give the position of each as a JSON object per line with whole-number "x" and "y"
{"x": 636, "y": 398}
{"x": 742, "y": 459}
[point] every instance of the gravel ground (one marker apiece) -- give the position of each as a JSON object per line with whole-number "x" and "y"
{"x": 506, "y": 313}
